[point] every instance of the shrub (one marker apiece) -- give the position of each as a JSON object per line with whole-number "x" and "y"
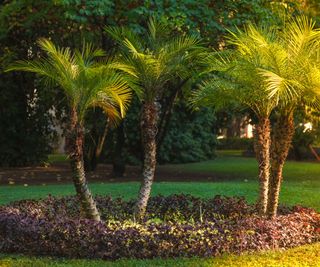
{"x": 174, "y": 208}
{"x": 50, "y": 227}
{"x": 189, "y": 137}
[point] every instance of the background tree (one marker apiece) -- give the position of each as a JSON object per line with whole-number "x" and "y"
{"x": 70, "y": 21}
{"x": 190, "y": 136}
{"x": 97, "y": 128}
{"x": 25, "y": 117}
{"x": 306, "y": 135}
{"x": 85, "y": 84}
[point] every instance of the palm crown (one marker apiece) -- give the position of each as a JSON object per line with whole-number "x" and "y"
{"x": 85, "y": 82}
{"x": 268, "y": 68}
{"x": 237, "y": 73}
{"x": 154, "y": 59}
{"x": 291, "y": 69}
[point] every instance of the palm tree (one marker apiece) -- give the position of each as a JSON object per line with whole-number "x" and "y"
{"x": 290, "y": 77}
{"x": 86, "y": 84}
{"x": 237, "y": 80}
{"x": 152, "y": 61}
{"x": 278, "y": 65}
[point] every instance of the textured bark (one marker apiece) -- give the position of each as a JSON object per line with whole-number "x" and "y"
{"x": 101, "y": 140}
{"x": 262, "y": 150}
{"x": 75, "y": 149}
{"x": 148, "y": 124}
{"x": 234, "y": 128}
{"x": 165, "y": 119}
{"x": 119, "y": 165}
{"x": 314, "y": 153}
{"x": 167, "y": 108}
{"x": 282, "y": 135}
{"x": 92, "y": 156}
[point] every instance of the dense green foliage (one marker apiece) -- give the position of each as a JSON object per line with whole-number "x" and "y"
{"x": 25, "y": 122}
{"x": 68, "y": 23}
{"x": 190, "y": 136}
{"x": 26, "y": 127}
{"x": 236, "y": 143}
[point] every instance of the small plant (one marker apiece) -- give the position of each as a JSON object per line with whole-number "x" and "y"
{"x": 51, "y": 227}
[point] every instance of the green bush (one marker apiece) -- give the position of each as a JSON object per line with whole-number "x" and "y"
{"x": 26, "y": 131}
{"x": 189, "y": 137}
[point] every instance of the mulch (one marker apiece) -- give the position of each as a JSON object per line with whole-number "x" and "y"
{"x": 60, "y": 173}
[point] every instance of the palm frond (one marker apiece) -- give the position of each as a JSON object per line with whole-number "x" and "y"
{"x": 302, "y": 36}
{"x": 216, "y": 93}
{"x": 280, "y": 87}
{"x": 84, "y": 81}
{"x": 119, "y": 34}
{"x": 154, "y": 59}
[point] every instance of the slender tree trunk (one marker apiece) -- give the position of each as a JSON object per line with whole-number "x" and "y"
{"x": 102, "y": 139}
{"x": 165, "y": 119}
{"x": 167, "y": 113}
{"x": 118, "y": 164}
{"x": 262, "y": 147}
{"x": 314, "y": 152}
{"x": 93, "y": 153}
{"x": 282, "y": 135}
{"x": 94, "y": 161}
{"x": 75, "y": 149}
{"x": 148, "y": 124}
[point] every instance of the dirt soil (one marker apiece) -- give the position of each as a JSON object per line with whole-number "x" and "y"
{"x": 59, "y": 173}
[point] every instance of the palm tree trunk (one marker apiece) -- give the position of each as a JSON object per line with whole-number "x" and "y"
{"x": 148, "y": 124}
{"x": 281, "y": 140}
{"x": 262, "y": 147}
{"x": 75, "y": 150}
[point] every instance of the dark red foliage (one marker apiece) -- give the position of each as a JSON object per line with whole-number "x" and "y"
{"x": 176, "y": 226}
{"x": 180, "y": 208}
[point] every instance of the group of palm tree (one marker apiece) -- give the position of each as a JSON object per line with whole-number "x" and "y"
{"x": 269, "y": 71}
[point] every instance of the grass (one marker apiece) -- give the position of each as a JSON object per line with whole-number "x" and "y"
{"x": 57, "y": 158}
{"x": 230, "y": 165}
{"x": 308, "y": 255}
{"x": 301, "y": 183}
{"x": 292, "y": 192}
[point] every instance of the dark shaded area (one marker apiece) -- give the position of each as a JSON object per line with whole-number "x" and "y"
{"x": 25, "y": 124}
{"x": 60, "y": 173}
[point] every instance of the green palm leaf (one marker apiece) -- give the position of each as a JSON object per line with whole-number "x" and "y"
{"x": 154, "y": 59}
{"x": 85, "y": 82}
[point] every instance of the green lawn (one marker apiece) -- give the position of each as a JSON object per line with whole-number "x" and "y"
{"x": 238, "y": 168}
{"x": 292, "y": 193}
{"x": 301, "y": 183}
{"x": 57, "y": 158}
{"x": 308, "y": 255}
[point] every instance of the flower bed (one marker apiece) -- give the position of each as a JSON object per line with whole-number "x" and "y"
{"x": 175, "y": 226}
